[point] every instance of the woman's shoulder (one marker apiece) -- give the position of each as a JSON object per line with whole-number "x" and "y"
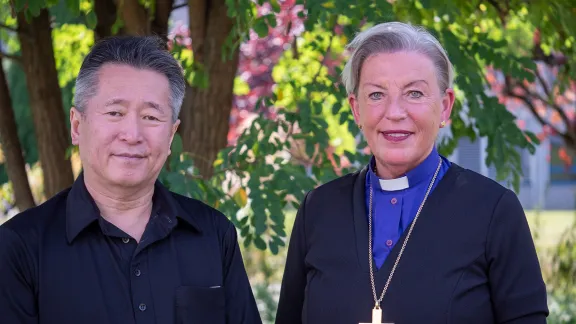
{"x": 473, "y": 179}
{"x": 344, "y": 183}
{"x": 464, "y": 182}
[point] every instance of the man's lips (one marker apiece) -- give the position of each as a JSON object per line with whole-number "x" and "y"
{"x": 129, "y": 156}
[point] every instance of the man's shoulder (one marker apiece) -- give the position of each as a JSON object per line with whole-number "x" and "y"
{"x": 35, "y": 219}
{"x": 26, "y": 229}
{"x": 206, "y": 216}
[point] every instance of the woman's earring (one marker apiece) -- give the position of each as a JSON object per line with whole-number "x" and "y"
{"x": 443, "y": 124}
{"x": 360, "y": 126}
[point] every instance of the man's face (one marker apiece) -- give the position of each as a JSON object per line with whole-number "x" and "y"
{"x": 125, "y": 132}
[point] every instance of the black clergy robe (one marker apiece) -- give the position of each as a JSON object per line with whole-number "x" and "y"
{"x": 470, "y": 259}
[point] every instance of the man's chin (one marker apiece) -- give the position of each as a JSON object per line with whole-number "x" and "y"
{"x": 128, "y": 177}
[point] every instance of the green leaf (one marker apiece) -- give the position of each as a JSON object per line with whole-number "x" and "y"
{"x": 260, "y": 27}
{"x": 247, "y": 240}
{"x": 19, "y": 5}
{"x": 74, "y": 6}
{"x": 259, "y": 243}
{"x": 177, "y": 146}
{"x": 273, "y": 247}
{"x": 275, "y": 6}
{"x": 245, "y": 230}
{"x": 336, "y": 108}
{"x": 91, "y": 19}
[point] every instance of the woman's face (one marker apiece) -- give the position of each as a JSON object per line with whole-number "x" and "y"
{"x": 400, "y": 107}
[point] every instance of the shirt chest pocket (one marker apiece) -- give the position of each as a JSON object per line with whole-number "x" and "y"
{"x": 200, "y": 305}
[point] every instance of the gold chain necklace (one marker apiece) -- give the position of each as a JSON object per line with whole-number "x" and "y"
{"x": 377, "y": 301}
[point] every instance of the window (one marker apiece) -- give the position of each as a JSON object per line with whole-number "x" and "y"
{"x": 559, "y": 172}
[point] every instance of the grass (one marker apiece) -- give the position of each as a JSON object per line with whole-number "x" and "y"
{"x": 548, "y": 226}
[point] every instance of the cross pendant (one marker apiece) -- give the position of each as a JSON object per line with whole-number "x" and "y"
{"x": 376, "y": 316}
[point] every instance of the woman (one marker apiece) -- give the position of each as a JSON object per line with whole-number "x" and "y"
{"x": 411, "y": 238}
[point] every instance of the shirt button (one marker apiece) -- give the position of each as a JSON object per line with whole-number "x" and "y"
{"x": 142, "y": 307}
{"x": 389, "y": 242}
{"x": 125, "y": 240}
{"x": 394, "y": 201}
{"x": 137, "y": 272}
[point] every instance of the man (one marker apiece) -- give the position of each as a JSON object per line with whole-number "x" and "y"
{"x": 118, "y": 247}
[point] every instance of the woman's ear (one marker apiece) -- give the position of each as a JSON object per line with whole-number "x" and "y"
{"x": 447, "y": 104}
{"x": 355, "y": 109}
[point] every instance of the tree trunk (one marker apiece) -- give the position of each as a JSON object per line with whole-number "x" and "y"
{"x": 106, "y": 12}
{"x": 15, "y": 165}
{"x": 161, "y": 16}
{"x": 45, "y": 101}
{"x": 205, "y": 112}
{"x": 134, "y": 16}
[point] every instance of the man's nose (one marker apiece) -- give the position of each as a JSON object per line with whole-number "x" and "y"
{"x": 131, "y": 129}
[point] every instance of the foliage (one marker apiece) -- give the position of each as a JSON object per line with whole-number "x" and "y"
{"x": 294, "y": 150}
{"x": 291, "y": 129}
{"x": 562, "y": 282}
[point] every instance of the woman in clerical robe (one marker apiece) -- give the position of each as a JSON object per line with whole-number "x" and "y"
{"x": 412, "y": 237}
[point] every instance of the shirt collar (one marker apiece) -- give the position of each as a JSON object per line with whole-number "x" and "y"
{"x": 81, "y": 209}
{"x": 420, "y": 173}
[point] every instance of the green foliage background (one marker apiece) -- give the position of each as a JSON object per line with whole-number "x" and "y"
{"x": 260, "y": 180}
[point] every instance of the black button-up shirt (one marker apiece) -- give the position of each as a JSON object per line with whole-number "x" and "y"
{"x": 61, "y": 262}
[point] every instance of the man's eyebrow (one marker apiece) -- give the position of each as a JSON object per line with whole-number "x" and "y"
{"x": 115, "y": 101}
{"x": 123, "y": 102}
{"x": 154, "y": 105}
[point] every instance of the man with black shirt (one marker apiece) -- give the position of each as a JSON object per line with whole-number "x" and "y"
{"x": 118, "y": 247}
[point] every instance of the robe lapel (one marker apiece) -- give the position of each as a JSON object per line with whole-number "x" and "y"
{"x": 361, "y": 220}
{"x": 361, "y": 223}
{"x": 361, "y": 229}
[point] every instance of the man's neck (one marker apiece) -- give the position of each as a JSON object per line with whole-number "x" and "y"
{"x": 129, "y": 210}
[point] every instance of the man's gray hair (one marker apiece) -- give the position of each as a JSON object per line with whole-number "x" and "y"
{"x": 142, "y": 52}
{"x": 393, "y": 37}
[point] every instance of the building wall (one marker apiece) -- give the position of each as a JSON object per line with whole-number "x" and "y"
{"x": 538, "y": 189}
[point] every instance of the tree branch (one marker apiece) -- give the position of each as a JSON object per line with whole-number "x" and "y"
{"x": 12, "y": 29}
{"x": 543, "y": 82}
{"x": 502, "y": 12}
{"x": 12, "y": 57}
{"x": 327, "y": 54}
{"x": 550, "y": 103}
{"x": 540, "y": 119}
{"x": 182, "y": 5}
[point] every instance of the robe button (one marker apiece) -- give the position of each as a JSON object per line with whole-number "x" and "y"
{"x": 394, "y": 201}
{"x": 389, "y": 242}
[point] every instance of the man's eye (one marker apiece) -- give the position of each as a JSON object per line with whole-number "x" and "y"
{"x": 114, "y": 113}
{"x": 375, "y": 95}
{"x": 150, "y": 118}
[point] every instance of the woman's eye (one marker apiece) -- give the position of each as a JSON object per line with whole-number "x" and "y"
{"x": 375, "y": 95}
{"x": 415, "y": 94}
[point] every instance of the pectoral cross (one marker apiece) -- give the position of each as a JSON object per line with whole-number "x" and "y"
{"x": 376, "y": 316}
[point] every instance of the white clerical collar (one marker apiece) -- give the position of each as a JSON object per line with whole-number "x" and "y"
{"x": 394, "y": 184}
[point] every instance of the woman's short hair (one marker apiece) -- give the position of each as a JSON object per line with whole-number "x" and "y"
{"x": 393, "y": 37}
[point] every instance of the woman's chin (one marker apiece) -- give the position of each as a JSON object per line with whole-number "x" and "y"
{"x": 398, "y": 157}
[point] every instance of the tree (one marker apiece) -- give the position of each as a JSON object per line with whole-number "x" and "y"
{"x": 16, "y": 168}
{"x": 37, "y": 59}
{"x": 266, "y": 118}
{"x": 546, "y": 35}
